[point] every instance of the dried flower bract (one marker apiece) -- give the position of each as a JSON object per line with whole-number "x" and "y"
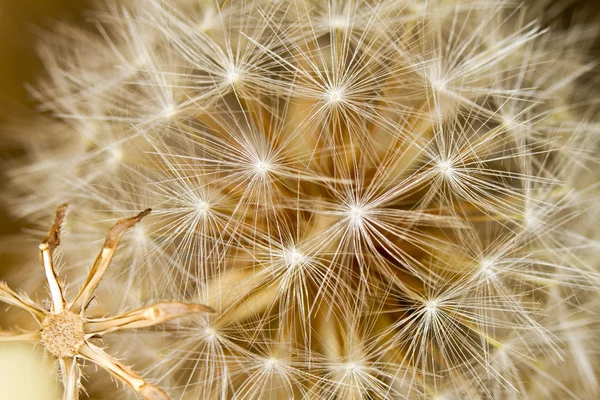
{"x": 68, "y": 333}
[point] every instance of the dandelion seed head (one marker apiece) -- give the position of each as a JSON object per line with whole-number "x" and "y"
{"x": 116, "y": 154}
{"x": 487, "y": 266}
{"x": 509, "y": 121}
{"x": 351, "y": 367}
{"x": 203, "y": 207}
{"x": 333, "y": 173}
{"x": 271, "y": 363}
{"x": 294, "y": 257}
{"x": 233, "y": 76}
{"x": 445, "y": 168}
{"x": 356, "y": 214}
{"x": 501, "y": 351}
{"x": 169, "y": 111}
{"x": 210, "y": 333}
{"x": 335, "y": 95}
{"x": 531, "y": 218}
{"x": 141, "y": 60}
{"x": 431, "y": 306}
{"x": 262, "y": 168}
{"x": 339, "y": 22}
{"x": 440, "y": 85}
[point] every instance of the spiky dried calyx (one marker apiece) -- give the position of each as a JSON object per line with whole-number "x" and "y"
{"x": 67, "y": 333}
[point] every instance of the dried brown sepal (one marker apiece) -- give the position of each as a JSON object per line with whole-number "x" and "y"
{"x": 53, "y": 238}
{"x": 14, "y": 337}
{"x": 151, "y": 392}
{"x": 103, "y": 260}
{"x": 122, "y": 372}
{"x": 8, "y": 296}
{"x": 46, "y": 258}
{"x": 70, "y": 373}
{"x": 145, "y": 317}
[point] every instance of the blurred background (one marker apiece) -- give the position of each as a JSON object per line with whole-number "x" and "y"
{"x": 18, "y": 59}
{"x": 25, "y": 374}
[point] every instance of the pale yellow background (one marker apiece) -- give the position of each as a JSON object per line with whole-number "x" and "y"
{"x": 24, "y": 375}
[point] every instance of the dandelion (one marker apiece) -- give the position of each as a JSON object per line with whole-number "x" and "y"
{"x": 380, "y": 199}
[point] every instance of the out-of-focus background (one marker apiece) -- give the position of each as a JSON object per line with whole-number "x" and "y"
{"x": 18, "y": 59}
{"x": 25, "y": 374}
{"x": 18, "y": 19}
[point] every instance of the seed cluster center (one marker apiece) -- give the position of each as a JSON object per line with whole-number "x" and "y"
{"x": 62, "y": 334}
